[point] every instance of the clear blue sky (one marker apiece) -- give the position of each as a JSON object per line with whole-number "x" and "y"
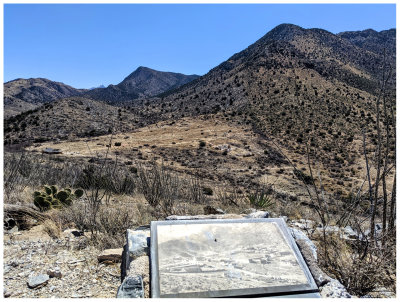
{"x": 88, "y": 45}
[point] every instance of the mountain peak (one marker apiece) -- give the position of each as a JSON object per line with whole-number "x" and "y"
{"x": 285, "y": 31}
{"x": 287, "y": 26}
{"x": 143, "y": 82}
{"x": 143, "y": 68}
{"x": 140, "y": 72}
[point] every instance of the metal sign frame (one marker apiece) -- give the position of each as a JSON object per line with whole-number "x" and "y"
{"x": 307, "y": 290}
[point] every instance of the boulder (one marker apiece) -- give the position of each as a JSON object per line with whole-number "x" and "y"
{"x": 114, "y": 255}
{"x": 14, "y": 230}
{"x": 304, "y": 224}
{"x": 349, "y": 233}
{"x": 72, "y": 233}
{"x": 6, "y": 269}
{"x": 332, "y": 229}
{"x": 328, "y": 229}
{"x": 378, "y": 230}
{"x": 138, "y": 242}
{"x": 131, "y": 287}
{"x": 334, "y": 289}
{"x": 258, "y": 214}
{"x": 36, "y": 281}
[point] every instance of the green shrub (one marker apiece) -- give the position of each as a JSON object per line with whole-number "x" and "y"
{"x": 261, "y": 198}
{"x": 207, "y": 191}
{"x": 307, "y": 179}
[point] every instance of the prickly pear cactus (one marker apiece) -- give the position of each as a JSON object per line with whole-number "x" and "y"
{"x": 63, "y": 195}
{"x": 78, "y": 193}
{"x": 67, "y": 202}
{"x": 53, "y": 190}
{"x": 52, "y": 197}
{"x": 47, "y": 190}
{"x": 41, "y": 203}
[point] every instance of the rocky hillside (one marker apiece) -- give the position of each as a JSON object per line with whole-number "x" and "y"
{"x": 26, "y": 94}
{"x": 372, "y": 40}
{"x": 67, "y": 118}
{"x": 143, "y": 82}
{"x": 22, "y": 95}
{"x": 292, "y": 86}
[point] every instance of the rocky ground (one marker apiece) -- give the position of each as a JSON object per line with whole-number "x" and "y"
{"x": 38, "y": 266}
{"x": 32, "y": 258}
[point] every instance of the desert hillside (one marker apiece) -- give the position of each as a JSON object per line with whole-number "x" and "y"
{"x": 22, "y": 95}
{"x": 26, "y": 94}
{"x": 300, "y": 124}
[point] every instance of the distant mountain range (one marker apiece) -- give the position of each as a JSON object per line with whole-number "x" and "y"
{"x": 292, "y": 84}
{"x": 21, "y": 95}
{"x": 25, "y": 94}
{"x": 142, "y": 83}
{"x": 372, "y": 40}
{"x": 100, "y": 86}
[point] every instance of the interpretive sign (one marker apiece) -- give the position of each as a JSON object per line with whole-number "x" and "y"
{"x": 226, "y": 258}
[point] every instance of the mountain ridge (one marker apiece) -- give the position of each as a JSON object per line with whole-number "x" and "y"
{"x": 21, "y": 95}
{"x": 264, "y": 70}
{"x": 27, "y": 94}
{"x": 143, "y": 82}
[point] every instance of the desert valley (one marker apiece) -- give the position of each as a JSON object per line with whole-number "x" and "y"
{"x": 300, "y": 124}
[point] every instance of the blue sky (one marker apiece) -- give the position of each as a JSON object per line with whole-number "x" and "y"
{"x": 89, "y": 45}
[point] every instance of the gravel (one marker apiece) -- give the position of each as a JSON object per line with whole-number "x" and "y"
{"x": 30, "y": 261}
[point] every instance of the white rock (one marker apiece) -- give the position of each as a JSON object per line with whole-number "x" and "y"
{"x": 72, "y": 233}
{"x": 350, "y": 233}
{"x": 258, "y": 214}
{"x": 138, "y": 243}
{"x": 334, "y": 289}
{"x": 39, "y": 280}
